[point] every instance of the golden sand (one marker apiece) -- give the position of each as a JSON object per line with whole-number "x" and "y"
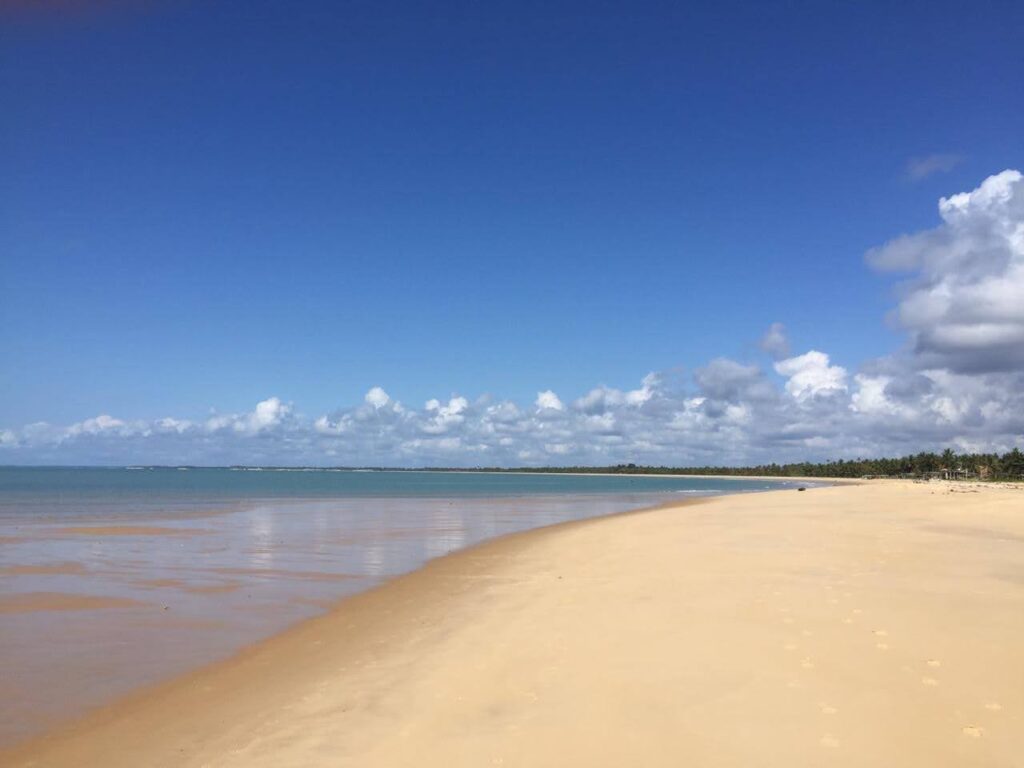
{"x": 880, "y": 624}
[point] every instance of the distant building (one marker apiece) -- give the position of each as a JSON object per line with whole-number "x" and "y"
{"x": 955, "y": 474}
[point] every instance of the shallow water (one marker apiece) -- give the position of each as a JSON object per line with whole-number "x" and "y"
{"x": 114, "y": 578}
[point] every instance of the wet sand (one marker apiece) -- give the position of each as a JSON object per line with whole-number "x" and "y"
{"x": 98, "y": 601}
{"x": 30, "y": 602}
{"x": 127, "y": 530}
{"x": 49, "y": 569}
{"x": 876, "y": 624}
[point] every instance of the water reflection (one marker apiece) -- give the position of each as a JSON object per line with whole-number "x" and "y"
{"x": 203, "y": 581}
{"x": 261, "y": 533}
{"x": 447, "y": 531}
{"x": 374, "y": 561}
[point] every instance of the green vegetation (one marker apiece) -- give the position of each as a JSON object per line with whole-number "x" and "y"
{"x": 975, "y": 466}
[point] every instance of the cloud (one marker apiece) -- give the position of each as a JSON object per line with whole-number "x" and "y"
{"x": 95, "y": 426}
{"x": 871, "y": 397}
{"x": 724, "y": 381}
{"x": 729, "y": 412}
{"x": 964, "y": 304}
{"x": 919, "y": 168}
{"x": 444, "y": 417}
{"x": 601, "y": 398}
{"x": 959, "y": 382}
{"x": 810, "y": 375}
{"x": 377, "y": 397}
{"x": 548, "y": 400}
{"x": 774, "y": 341}
{"x": 168, "y": 424}
{"x": 268, "y": 415}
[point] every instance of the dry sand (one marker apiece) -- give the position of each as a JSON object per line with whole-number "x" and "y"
{"x": 872, "y": 625}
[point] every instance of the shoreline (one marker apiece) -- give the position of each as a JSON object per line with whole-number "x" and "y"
{"x": 181, "y": 610}
{"x": 443, "y": 615}
{"x": 233, "y": 670}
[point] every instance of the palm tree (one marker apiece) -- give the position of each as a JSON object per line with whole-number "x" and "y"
{"x": 1013, "y": 463}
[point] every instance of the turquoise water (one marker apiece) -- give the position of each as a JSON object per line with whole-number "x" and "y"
{"x": 115, "y": 578}
{"x": 213, "y": 484}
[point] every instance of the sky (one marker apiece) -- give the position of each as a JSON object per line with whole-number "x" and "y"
{"x": 509, "y": 233}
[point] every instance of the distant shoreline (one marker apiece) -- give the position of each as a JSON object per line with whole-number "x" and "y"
{"x": 553, "y": 471}
{"x": 456, "y": 471}
{"x": 925, "y": 465}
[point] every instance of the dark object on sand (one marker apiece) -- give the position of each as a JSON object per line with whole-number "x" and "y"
{"x": 801, "y": 488}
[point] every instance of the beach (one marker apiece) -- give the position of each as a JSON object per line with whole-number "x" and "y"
{"x": 879, "y": 623}
{"x": 113, "y": 579}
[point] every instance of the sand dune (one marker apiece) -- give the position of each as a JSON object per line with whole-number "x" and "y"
{"x": 880, "y": 624}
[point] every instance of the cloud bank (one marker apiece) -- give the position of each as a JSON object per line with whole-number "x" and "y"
{"x": 959, "y": 382}
{"x": 964, "y": 306}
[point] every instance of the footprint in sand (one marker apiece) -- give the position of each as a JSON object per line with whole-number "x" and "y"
{"x": 933, "y": 663}
{"x": 931, "y": 681}
{"x": 857, "y": 611}
{"x": 827, "y": 709}
{"x": 974, "y": 731}
{"x": 880, "y": 633}
{"x": 994, "y": 706}
{"x": 807, "y": 663}
{"x": 828, "y": 740}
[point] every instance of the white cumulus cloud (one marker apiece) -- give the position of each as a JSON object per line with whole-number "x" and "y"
{"x": 964, "y": 305}
{"x": 600, "y": 398}
{"x": 377, "y": 397}
{"x": 548, "y": 400}
{"x": 811, "y": 374}
{"x": 268, "y": 415}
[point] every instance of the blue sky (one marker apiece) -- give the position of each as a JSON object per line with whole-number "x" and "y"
{"x": 206, "y": 205}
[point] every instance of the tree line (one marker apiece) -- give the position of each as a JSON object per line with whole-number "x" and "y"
{"x": 983, "y": 466}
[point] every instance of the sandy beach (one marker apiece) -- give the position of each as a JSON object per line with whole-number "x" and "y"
{"x": 870, "y": 624}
